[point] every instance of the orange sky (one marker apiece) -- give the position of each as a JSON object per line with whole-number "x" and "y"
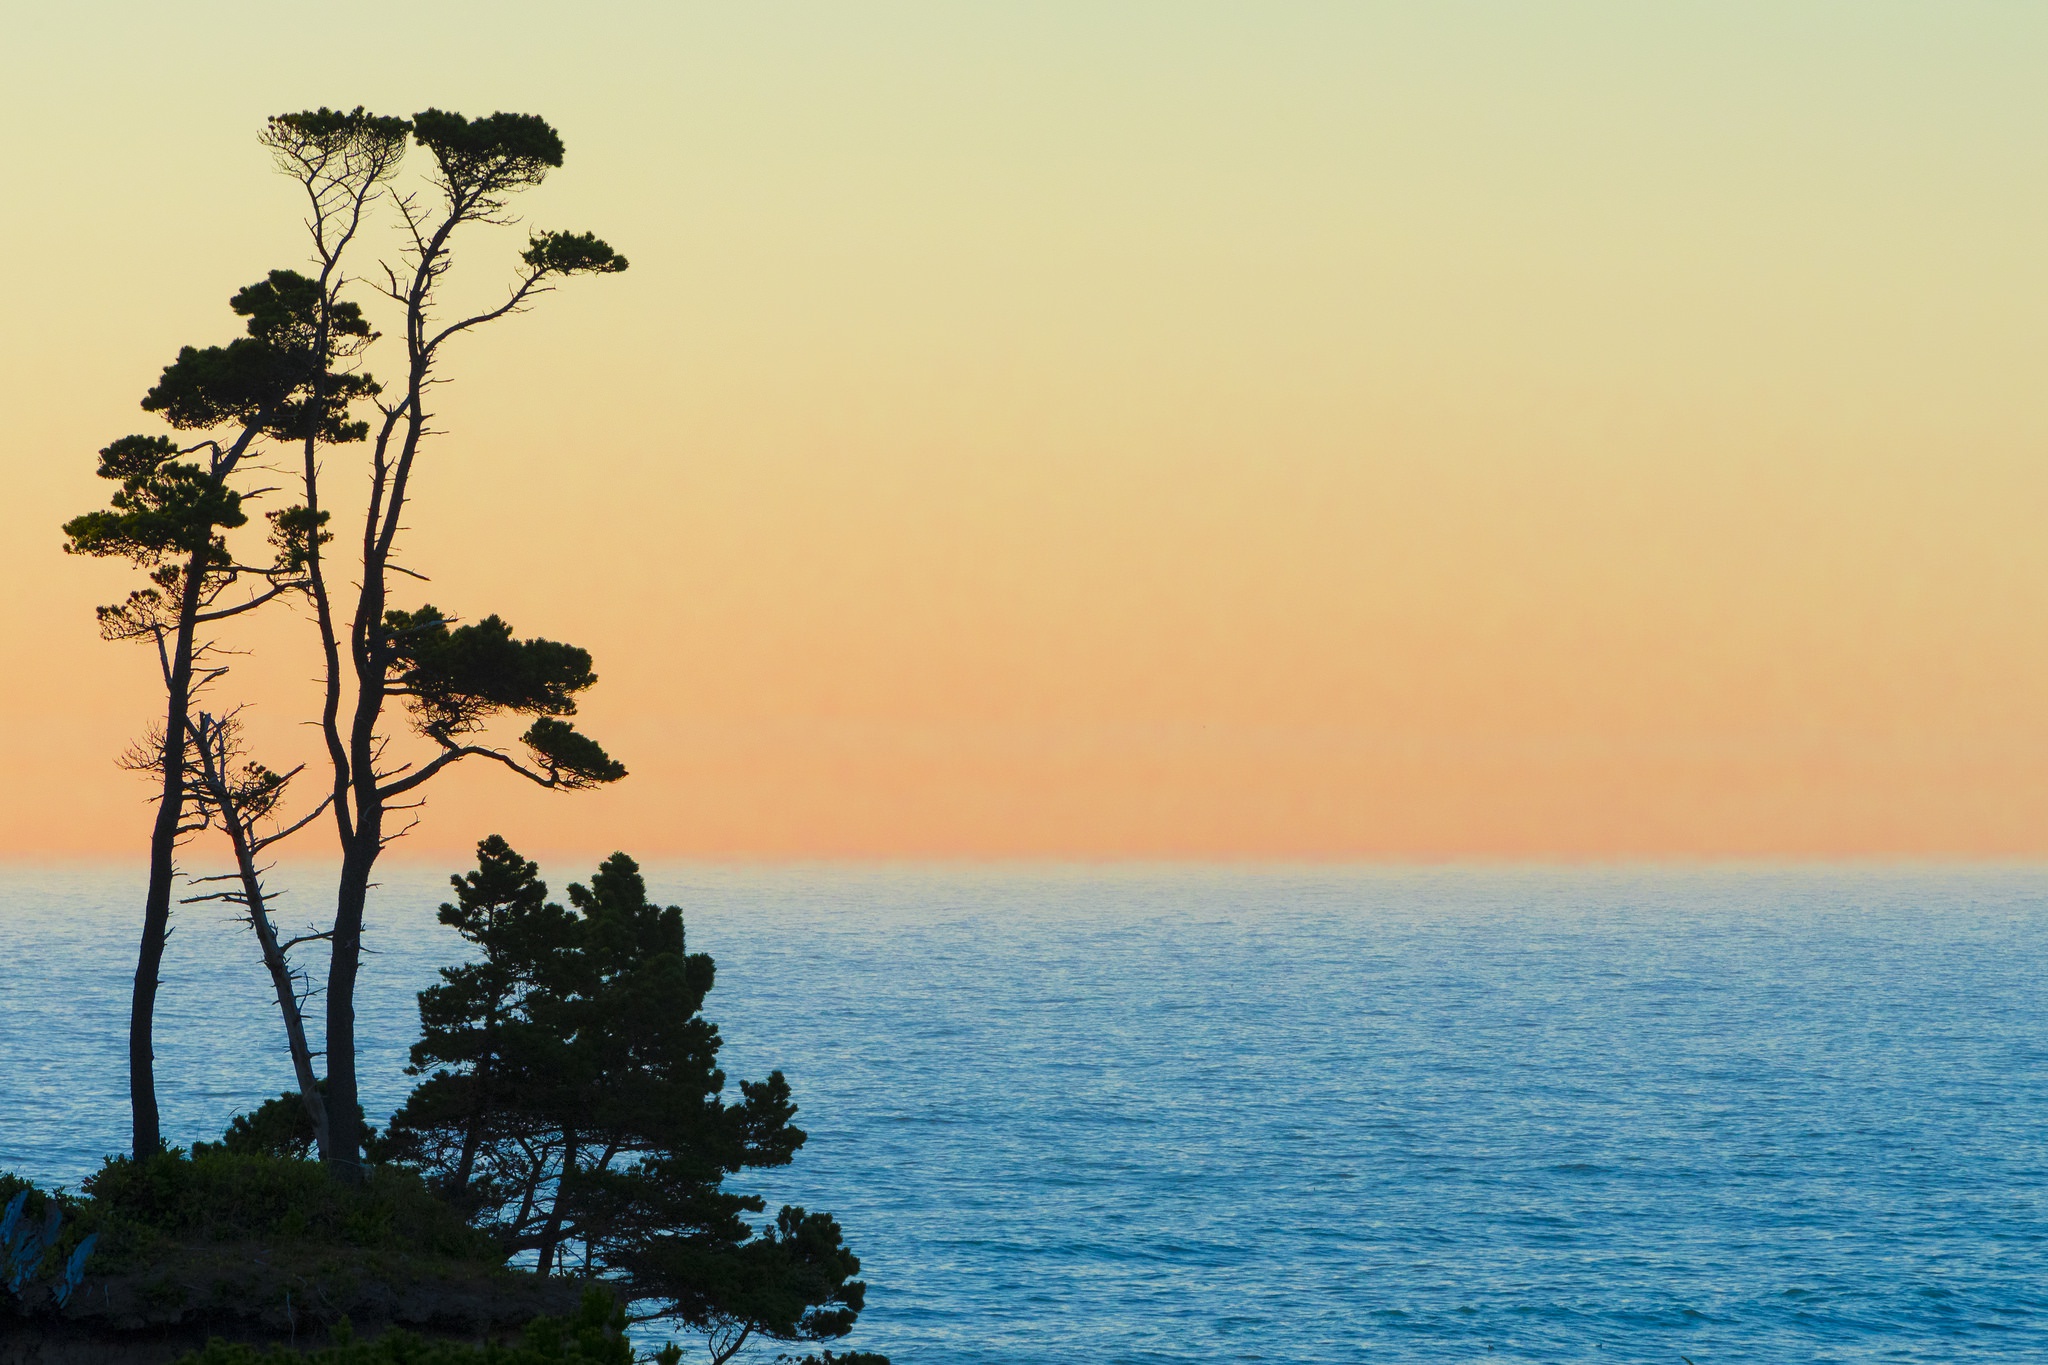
{"x": 1141, "y": 430}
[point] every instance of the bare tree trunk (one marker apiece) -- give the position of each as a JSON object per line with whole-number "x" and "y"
{"x": 147, "y": 1124}
{"x": 340, "y": 165}
{"x": 287, "y": 993}
{"x": 338, "y": 1148}
{"x": 362, "y": 792}
{"x": 344, "y": 1114}
{"x": 359, "y": 817}
{"x": 361, "y": 822}
{"x": 214, "y": 759}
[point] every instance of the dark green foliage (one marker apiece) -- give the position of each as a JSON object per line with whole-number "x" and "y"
{"x": 163, "y": 507}
{"x": 166, "y": 506}
{"x": 478, "y": 1021}
{"x": 572, "y": 1100}
{"x": 263, "y": 378}
{"x": 294, "y": 531}
{"x": 136, "y": 457}
{"x": 454, "y": 679}
{"x": 571, "y": 253}
{"x": 329, "y": 126}
{"x": 336, "y": 148}
{"x": 481, "y": 159}
{"x": 568, "y": 757}
{"x": 800, "y": 1286}
{"x": 792, "y": 1282}
{"x": 278, "y": 1127}
{"x": 242, "y": 381}
{"x": 216, "y": 1195}
{"x": 283, "y": 309}
{"x": 595, "y": 1336}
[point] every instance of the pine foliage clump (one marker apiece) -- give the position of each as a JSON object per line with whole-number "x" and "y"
{"x": 572, "y": 1105}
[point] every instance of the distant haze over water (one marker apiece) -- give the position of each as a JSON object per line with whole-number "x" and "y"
{"x": 1305, "y": 1116}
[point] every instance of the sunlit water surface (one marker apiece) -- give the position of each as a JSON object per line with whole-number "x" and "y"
{"x": 1280, "y": 1116}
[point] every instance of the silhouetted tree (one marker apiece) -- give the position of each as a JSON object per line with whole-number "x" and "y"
{"x": 451, "y": 678}
{"x": 573, "y": 1106}
{"x": 170, "y": 514}
{"x": 292, "y": 379}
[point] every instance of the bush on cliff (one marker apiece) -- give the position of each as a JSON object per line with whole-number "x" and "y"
{"x": 215, "y": 1195}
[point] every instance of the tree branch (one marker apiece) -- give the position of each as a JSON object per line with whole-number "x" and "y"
{"x": 258, "y": 845}
{"x": 527, "y": 287}
{"x": 453, "y": 752}
{"x": 275, "y": 590}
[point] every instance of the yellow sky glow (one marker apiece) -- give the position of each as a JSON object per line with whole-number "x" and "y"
{"x": 1139, "y": 430}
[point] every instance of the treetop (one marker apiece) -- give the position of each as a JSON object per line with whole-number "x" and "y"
{"x": 331, "y": 125}
{"x": 485, "y": 156}
{"x": 134, "y": 458}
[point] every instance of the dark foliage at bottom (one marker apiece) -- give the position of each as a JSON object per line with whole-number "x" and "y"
{"x": 594, "y": 1336}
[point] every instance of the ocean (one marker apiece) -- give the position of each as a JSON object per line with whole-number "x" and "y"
{"x": 1310, "y": 1115}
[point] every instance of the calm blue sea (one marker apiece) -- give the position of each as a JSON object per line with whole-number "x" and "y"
{"x": 1310, "y": 1116}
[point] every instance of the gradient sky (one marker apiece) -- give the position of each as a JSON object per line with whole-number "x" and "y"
{"x": 1138, "y": 430}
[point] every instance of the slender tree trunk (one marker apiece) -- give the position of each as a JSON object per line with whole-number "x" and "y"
{"x": 362, "y": 839}
{"x": 551, "y": 1236}
{"x": 359, "y": 802}
{"x": 147, "y": 1124}
{"x": 529, "y": 1189}
{"x": 340, "y": 172}
{"x": 473, "y": 1130}
{"x": 273, "y": 959}
{"x": 359, "y": 816}
{"x": 344, "y": 1114}
{"x": 341, "y": 1141}
{"x": 362, "y": 832}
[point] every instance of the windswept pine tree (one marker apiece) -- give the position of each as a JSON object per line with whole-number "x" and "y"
{"x": 451, "y": 678}
{"x": 294, "y": 380}
{"x": 170, "y": 514}
{"x": 571, "y": 1108}
{"x": 572, "y": 1105}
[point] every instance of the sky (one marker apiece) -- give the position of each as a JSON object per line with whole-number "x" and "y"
{"x": 1114, "y": 430}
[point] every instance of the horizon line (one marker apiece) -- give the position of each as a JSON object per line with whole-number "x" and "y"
{"x": 1108, "y": 863}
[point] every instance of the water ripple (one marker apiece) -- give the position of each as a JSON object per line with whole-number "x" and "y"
{"x": 1322, "y": 1116}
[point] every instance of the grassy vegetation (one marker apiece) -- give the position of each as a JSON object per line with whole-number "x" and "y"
{"x": 265, "y": 1246}
{"x": 213, "y": 1195}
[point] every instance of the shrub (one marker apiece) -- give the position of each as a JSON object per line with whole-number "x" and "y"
{"x": 216, "y": 1195}
{"x": 595, "y": 1336}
